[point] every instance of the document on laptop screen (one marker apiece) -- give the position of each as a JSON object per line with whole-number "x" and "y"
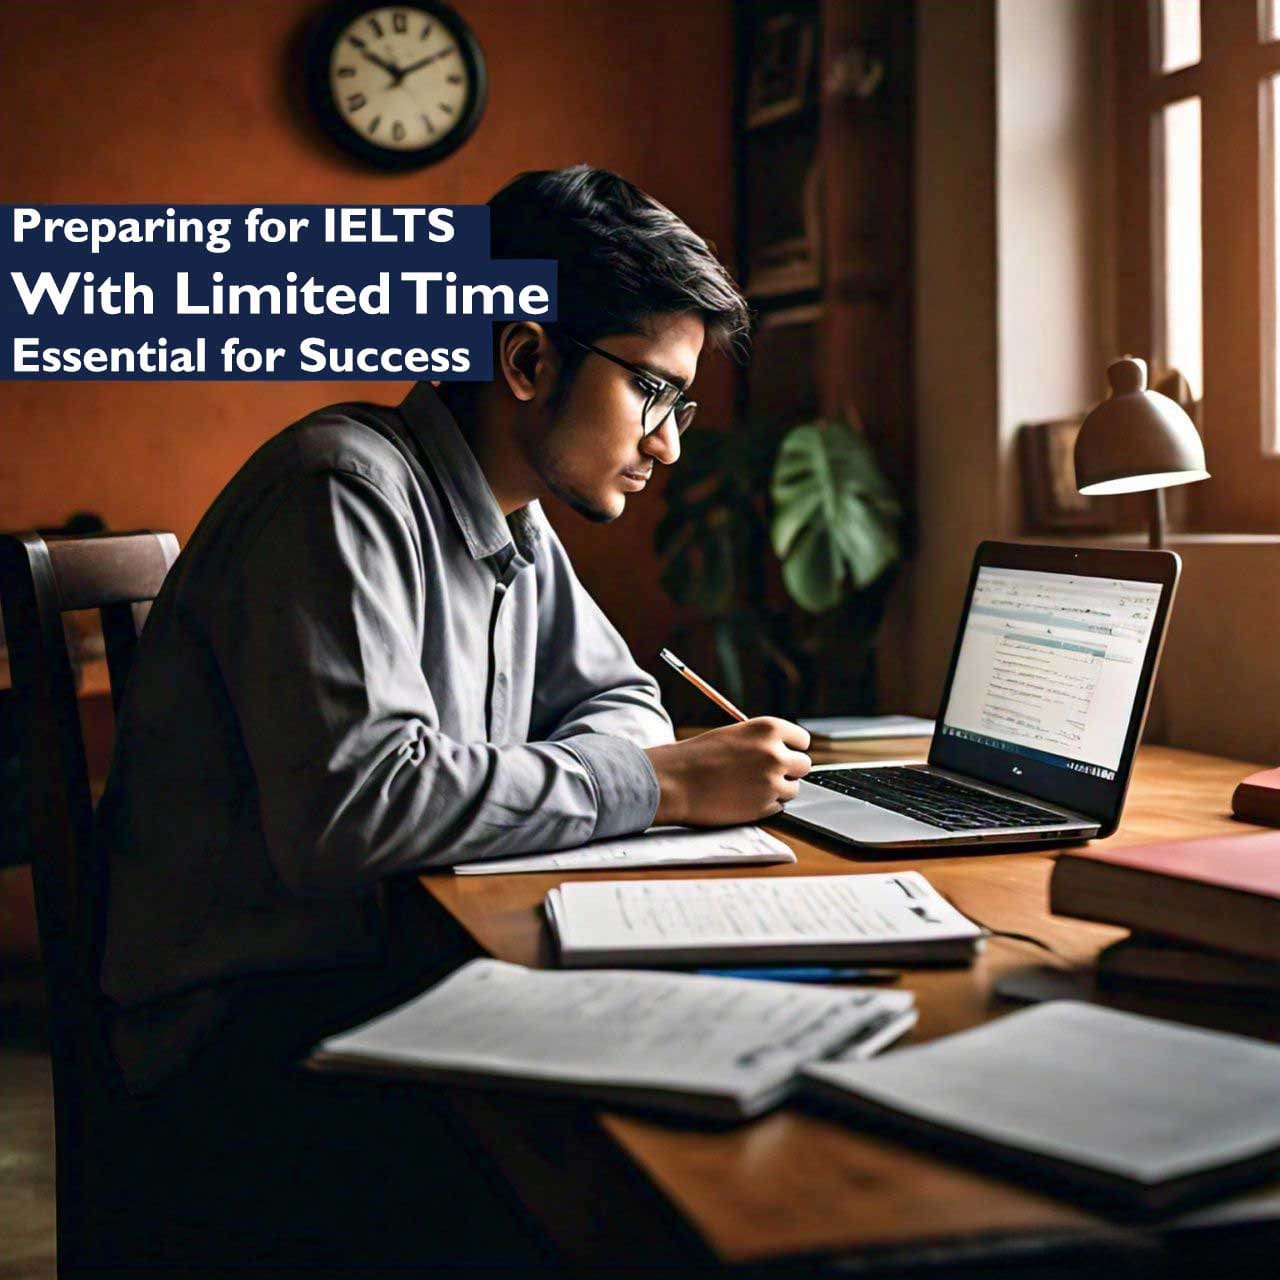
{"x": 1050, "y": 665}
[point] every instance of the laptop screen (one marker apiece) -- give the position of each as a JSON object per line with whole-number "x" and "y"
{"x": 1049, "y": 666}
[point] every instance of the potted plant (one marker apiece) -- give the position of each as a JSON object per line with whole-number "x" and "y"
{"x": 809, "y": 517}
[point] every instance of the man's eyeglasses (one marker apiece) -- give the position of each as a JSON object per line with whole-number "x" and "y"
{"x": 662, "y": 398}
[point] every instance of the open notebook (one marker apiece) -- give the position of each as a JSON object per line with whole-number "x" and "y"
{"x": 719, "y": 1047}
{"x": 1137, "y": 1111}
{"x": 883, "y": 918}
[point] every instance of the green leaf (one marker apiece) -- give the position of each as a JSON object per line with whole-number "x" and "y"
{"x": 790, "y": 519}
{"x": 812, "y": 573}
{"x": 835, "y": 516}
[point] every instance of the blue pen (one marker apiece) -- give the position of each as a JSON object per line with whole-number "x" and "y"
{"x": 807, "y": 974}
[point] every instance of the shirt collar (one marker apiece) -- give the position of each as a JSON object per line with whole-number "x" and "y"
{"x": 484, "y": 529}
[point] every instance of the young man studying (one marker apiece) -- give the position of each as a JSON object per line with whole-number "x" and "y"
{"x": 373, "y": 658}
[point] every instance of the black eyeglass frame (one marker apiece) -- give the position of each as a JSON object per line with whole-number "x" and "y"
{"x": 682, "y": 406}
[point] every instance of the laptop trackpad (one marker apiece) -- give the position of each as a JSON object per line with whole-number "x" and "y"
{"x": 855, "y": 819}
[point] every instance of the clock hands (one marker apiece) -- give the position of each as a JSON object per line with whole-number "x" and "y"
{"x": 396, "y": 73}
{"x": 389, "y": 67}
{"x": 426, "y": 62}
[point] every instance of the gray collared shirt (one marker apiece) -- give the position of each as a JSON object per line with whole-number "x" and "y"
{"x": 356, "y": 668}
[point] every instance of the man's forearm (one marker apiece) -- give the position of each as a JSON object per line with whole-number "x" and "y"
{"x": 433, "y": 802}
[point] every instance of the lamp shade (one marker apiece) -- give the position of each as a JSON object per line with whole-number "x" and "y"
{"x": 1136, "y": 439}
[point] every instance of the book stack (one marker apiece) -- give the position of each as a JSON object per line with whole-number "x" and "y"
{"x": 1205, "y": 914}
{"x": 1257, "y": 798}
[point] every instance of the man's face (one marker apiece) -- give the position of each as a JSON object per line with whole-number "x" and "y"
{"x": 593, "y": 452}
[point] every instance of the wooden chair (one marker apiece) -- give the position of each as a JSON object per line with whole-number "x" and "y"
{"x": 118, "y": 574}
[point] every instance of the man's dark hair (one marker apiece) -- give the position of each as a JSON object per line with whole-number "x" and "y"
{"x": 623, "y": 257}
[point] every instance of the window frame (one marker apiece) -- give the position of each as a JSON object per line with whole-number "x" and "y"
{"x": 1238, "y": 318}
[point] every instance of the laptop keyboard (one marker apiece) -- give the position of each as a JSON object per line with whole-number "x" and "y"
{"x": 933, "y": 799}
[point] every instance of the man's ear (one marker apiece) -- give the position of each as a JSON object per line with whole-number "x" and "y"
{"x": 527, "y": 359}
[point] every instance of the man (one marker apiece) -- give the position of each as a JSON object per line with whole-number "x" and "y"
{"x": 373, "y": 658}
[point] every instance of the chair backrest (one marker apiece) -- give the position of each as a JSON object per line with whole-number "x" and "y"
{"x": 118, "y": 574}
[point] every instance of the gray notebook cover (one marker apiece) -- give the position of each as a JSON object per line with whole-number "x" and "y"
{"x": 1129, "y": 1097}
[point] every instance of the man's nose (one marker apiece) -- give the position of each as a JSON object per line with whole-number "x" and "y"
{"x": 664, "y": 444}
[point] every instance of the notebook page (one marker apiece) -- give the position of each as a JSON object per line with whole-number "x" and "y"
{"x": 1131, "y": 1095}
{"x": 651, "y": 914}
{"x": 695, "y": 1034}
{"x": 659, "y": 846}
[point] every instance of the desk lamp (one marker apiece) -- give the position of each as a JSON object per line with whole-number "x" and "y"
{"x": 1138, "y": 440}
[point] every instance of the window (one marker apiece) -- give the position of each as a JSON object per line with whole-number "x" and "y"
{"x": 1198, "y": 232}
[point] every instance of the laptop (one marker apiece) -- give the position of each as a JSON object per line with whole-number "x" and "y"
{"x": 1040, "y": 717}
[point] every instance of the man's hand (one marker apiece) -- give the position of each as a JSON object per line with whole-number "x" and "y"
{"x": 736, "y": 774}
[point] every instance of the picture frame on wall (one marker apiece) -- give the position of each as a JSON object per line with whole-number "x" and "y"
{"x": 785, "y": 221}
{"x": 781, "y": 67}
{"x": 1051, "y": 501}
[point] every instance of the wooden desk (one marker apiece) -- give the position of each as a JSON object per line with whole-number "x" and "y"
{"x": 795, "y": 1184}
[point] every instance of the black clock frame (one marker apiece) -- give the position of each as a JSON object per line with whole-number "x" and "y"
{"x": 329, "y": 29}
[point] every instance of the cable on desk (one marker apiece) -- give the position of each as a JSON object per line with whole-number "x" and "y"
{"x": 1021, "y": 937}
{"x": 1010, "y": 934}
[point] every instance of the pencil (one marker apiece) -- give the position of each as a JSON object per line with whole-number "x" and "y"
{"x": 701, "y": 685}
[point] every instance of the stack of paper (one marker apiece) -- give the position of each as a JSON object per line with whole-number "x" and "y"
{"x": 721, "y": 1047}
{"x": 892, "y": 918}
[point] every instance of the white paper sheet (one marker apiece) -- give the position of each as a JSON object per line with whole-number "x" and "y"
{"x": 688, "y": 1033}
{"x": 657, "y": 847}
{"x": 650, "y": 915}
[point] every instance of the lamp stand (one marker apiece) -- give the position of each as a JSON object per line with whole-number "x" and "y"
{"x": 1157, "y": 728}
{"x": 1157, "y": 520}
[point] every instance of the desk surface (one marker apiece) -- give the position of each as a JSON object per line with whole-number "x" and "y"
{"x": 796, "y": 1184}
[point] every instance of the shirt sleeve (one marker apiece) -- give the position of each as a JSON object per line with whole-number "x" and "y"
{"x": 321, "y": 652}
{"x": 590, "y": 694}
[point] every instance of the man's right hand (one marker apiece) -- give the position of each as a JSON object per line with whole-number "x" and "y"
{"x": 726, "y": 776}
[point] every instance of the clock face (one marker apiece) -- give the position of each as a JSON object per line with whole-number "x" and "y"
{"x": 400, "y": 85}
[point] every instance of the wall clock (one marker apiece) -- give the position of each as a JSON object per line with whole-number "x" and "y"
{"x": 399, "y": 85}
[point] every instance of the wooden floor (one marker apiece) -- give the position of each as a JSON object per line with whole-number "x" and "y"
{"x": 26, "y": 1138}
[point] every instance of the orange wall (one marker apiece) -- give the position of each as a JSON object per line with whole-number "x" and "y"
{"x": 127, "y": 101}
